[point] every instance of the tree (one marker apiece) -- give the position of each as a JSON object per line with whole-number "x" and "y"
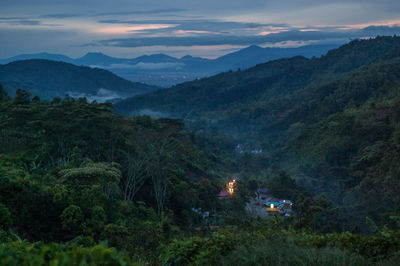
{"x": 252, "y": 186}
{"x": 116, "y": 235}
{"x": 5, "y": 217}
{"x": 3, "y": 94}
{"x": 22, "y": 97}
{"x": 95, "y": 225}
{"x": 136, "y": 172}
{"x": 104, "y": 174}
{"x": 160, "y": 164}
{"x": 76, "y": 157}
{"x": 72, "y": 218}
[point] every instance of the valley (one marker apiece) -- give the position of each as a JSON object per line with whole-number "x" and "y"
{"x": 297, "y": 154}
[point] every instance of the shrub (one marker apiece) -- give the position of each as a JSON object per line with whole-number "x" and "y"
{"x": 5, "y": 217}
{"x": 23, "y": 253}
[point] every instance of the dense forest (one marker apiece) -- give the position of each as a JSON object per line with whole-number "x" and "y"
{"x": 81, "y": 184}
{"x": 331, "y": 123}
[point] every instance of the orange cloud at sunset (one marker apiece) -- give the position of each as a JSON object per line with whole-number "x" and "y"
{"x": 132, "y": 28}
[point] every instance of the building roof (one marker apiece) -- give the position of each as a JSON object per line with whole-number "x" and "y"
{"x": 275, "y": 203}
{"x": 263, "y": 190}
{"x": 223, "y": 193}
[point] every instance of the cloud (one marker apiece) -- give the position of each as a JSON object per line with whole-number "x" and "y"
{"x": 19, "y": 21}
{"x": 183, "y": 41}
{"x": 193, "y": 32}
{"x": 143, "y": 12}
{"x": 25, "y": 22}
{"x": 132, "y": 28}
{"x": 193, "y": 27}
{"x": 262, "y": 38}
{"x": 201, "y": 28}
{"x": 61, "y": 15}
{"x": 198, "y": 24}
{"x": 381, "y": 30}
{"x": 103, "y": 95}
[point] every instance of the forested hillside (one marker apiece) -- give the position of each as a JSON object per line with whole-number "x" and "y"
{"x": 82, "y": 185}
{"x": 73, "y": 170}
{"x": 330, "y": 122}
{"x": 266, "y": 85}
{"x": 47, "y": 79}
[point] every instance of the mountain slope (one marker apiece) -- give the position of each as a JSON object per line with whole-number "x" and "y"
{"x": 97, "y": 59}
{"x": 47, "y": 79}
{"x": 348, "y": 148}
{"x": 46, "y": 56}
{"x": 254, "y": 55}
{"x": 262, "y": 83}
{"x": 333, "y": 122}
{"x": 164, "y": 70}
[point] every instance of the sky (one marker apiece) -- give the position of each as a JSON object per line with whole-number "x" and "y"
{"x": 206, "y": 28}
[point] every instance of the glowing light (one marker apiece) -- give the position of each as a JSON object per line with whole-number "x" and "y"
{"x": 230, "y": 186}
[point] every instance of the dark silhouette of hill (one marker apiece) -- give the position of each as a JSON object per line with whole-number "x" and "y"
{"x": 48, "y": 79}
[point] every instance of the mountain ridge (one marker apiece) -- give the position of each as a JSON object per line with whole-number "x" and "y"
{"x": 164, "y": 70}
{"x": 333, "y": 123}
{"x": 335, "y": 62}
{"x": 47, "y": 79}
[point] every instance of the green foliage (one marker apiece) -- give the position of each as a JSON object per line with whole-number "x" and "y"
{"x": 76, "y": 157}
{"x": 281, "y": 252}
{"x": 23, "y": 253}
{"x": 382, "y": 245}
{"x": 268, "y": 246}
{"x": 198, "y": 251}
{"x": 72, "y": 218}
{"x": 116, "y": 235}
{"x": 332, "y": 123}
{"x": 72, "y": 171}
{"x": 3, "y": 94}
{"x": 92, "y": 173}
{"x": 65, "y": 166}
{"x": 5, "y": 217}
{"x": 97, "y": 221}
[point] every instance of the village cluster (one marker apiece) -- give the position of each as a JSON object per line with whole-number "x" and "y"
{"x": 273, "y": 205}
{"x": 263, "y": 204}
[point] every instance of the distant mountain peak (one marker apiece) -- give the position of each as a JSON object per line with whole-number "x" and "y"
{"x": 254, "y": 47}
{"x": 95, "y": 54}
{"x": 156, "y": 56}
{"x": 187, "y": 57}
